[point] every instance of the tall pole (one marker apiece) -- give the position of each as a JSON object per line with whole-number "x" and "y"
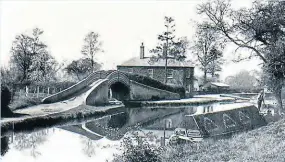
{"x": 164, "y": 132}
{"x": 166, "y": 58}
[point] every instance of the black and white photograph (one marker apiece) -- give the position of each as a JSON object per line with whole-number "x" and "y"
{"x": 142, "y": 81}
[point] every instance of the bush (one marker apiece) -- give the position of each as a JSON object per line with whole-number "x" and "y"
{"x": 156, "y": 84}
{"x": 138, "y": 149}
{"x": 23, "y": 102}
{"x": 5, "y": 101}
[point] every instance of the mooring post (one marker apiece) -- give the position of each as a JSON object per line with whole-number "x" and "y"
{"x": 164, "y": 132}
{"x": 38, "y": 91}
{"x": 27, "y": 91}
{"x": 13, "y": 132}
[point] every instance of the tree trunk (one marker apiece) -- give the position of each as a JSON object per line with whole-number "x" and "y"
{"x": 92, "y": 65}
{"x": 205, "y": 77}
{"x": 277, "y": 93}
{"x": 165, "y": 79}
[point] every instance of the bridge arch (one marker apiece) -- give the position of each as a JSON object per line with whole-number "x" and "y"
{"x": 119, "y": 86}
{"x": 119, "y": 91}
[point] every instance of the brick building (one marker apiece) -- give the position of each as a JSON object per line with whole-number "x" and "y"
{"x": 179, "y": 73}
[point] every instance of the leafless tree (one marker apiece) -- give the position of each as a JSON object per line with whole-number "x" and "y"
{"x": 208, "y": 46}
{"x": 91, "y": 47}
{"x": 31, "y": 57}
{"x": 260, "y": 28}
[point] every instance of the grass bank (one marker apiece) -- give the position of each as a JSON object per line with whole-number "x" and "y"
{"x": 263, "y": 144}
{"x": 23, "y": 101}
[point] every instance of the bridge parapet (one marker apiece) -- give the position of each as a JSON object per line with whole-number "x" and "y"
{"x": 118, "y": 76}
{"x": 76, "y": 88}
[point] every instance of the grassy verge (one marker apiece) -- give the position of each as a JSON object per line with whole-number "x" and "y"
{"x": 263, "y": 144}
{"x": 21, "y": 102}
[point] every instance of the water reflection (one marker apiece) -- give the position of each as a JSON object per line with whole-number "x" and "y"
{"x": 31, "y": 141}
{"x": 4, "y": 145}
{"x": 93, "y": 138}
{"x": 88, "y": 146}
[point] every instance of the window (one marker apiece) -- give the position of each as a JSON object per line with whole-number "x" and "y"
{"x": 170, "y": 73}
{"x": 150, "y": 73}
{"x": 188, "y": 73}
{"x": 131, "y": 70}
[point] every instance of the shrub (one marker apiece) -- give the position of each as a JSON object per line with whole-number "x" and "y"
{"x": 138, "y": 149}
{"x": 156, "y": 84}
{"x": 23, "y": 102}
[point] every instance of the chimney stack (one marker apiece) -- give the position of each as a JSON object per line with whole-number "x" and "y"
{"x": 142, "y": 51}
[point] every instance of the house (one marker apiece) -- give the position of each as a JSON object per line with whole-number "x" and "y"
{"x": 179, "y": 73}
{"x": 216, "y": 87}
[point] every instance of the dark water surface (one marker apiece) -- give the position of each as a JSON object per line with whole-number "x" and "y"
{"x": 98, "y": 139}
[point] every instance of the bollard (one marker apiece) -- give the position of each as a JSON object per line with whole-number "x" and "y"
{"x": 38, "y": 91}
{"x": 13, "y": 132}
{"x": 27, "y": 91}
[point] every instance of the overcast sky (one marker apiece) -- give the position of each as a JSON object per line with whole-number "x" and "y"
{"x": 122, "y": 26}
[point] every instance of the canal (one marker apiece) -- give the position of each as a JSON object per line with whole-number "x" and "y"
{"x": 99, "y": 139}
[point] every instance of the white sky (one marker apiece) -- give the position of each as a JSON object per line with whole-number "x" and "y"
{"x": 122, "y": 26}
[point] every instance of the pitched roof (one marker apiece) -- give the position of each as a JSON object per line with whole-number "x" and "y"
{"x": 136, "y": 61}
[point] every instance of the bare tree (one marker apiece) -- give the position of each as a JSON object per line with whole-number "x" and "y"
{"x": 208, "y": 46}
{"x": 91, "y": 47}
{"x": 31, "y": 57}
{"x": 22, "y": 57}
{"x": 258, "y": 29}
{"x": 168, "y": 47}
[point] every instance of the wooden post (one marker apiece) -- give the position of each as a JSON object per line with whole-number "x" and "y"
{"x": 48, "y": 91}
{"x": 38, "y": 91}
{"x": 164, "y": 132}
{"x": 13, "y": 132}
{"x": 27, "y": 91}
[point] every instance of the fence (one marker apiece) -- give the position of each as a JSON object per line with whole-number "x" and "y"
{"x": 36, "y": 92}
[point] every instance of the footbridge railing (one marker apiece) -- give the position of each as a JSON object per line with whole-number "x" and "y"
{"x": 62, "y": 95}
{"x": 116, "y": 76}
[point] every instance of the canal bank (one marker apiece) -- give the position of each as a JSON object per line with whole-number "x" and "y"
{"x": 47, "y": 115}
{"x": 74, "y": 115}
{"x": 195, "y": 101}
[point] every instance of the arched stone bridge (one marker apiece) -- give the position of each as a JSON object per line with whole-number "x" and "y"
{"x": 100, "y": 86}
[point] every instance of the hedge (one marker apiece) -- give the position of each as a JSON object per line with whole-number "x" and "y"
{"x": 156, "y": 84}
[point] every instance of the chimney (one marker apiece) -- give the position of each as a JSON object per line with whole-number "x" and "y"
{"x": 142, "y": 51}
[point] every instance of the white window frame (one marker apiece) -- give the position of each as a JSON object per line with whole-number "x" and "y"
{"x": 172, "y": 72}
{"x": 150, "y": 73}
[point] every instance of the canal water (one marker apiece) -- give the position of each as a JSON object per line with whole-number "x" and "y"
{"x": 99, "y": 139}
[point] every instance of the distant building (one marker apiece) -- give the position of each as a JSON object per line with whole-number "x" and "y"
{"x": 216, "y": 87}
{"x": 179, "y": 73}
